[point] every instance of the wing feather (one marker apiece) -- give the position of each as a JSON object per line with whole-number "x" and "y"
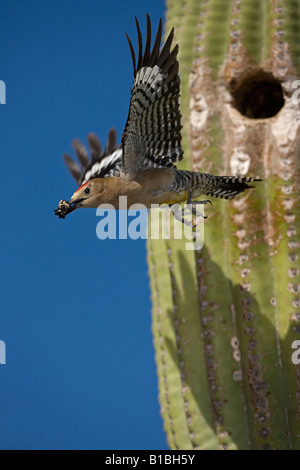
{"x": 146, "y": 55}
{"x": 73, "y": 168}
{"x": 95, "y": 146}
{"x": 102, "y": 164}
{"x": 140, "y": 43}
{"x": 153, "y": 127}
{"x": 81, "y": 153}
{"x": 111, "y": 143}
{"x": 132, "y": 53}
{"x": 156, "y": 46}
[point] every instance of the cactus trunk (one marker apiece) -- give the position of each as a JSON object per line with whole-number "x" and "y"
{"x": 226, "y": 317}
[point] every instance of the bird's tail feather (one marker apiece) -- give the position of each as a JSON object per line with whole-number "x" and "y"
{"x": 226, "y": 187}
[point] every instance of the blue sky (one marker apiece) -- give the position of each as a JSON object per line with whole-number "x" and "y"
{"x": 75, "y": 311}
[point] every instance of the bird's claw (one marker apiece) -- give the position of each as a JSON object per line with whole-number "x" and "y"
{"x": 180, "y": 215}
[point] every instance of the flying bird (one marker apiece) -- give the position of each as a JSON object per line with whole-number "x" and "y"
{"x": 143, "y": 166}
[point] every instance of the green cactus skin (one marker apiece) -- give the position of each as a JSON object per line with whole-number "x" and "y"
{"x": 225, "y": 317}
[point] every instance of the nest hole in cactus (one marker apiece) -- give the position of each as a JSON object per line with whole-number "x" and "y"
{"x": 258, "y": 96}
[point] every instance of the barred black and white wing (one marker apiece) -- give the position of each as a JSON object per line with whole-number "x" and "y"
{"x": 103, "y": 164}
{"x": 152, "y": 135}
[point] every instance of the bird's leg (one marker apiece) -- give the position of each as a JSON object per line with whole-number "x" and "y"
{"x": 189, "y": 200}
{"x": 191, "y": 205}
{"x": 179, "y": 215}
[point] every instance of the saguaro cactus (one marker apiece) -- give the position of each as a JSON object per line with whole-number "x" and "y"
{"x": 226, "y": 318}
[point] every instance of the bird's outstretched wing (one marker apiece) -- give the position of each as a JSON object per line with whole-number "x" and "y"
{"x": 103, "y": 164}
{"x": 152, "y": 135}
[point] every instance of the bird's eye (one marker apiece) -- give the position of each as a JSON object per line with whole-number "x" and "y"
{"x": 87, "y": 191}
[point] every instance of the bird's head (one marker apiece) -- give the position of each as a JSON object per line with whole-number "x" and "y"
{"x": 86, "y": 196}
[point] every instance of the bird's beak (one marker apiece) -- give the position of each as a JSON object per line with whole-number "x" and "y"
{"x": 65, "y": 207}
